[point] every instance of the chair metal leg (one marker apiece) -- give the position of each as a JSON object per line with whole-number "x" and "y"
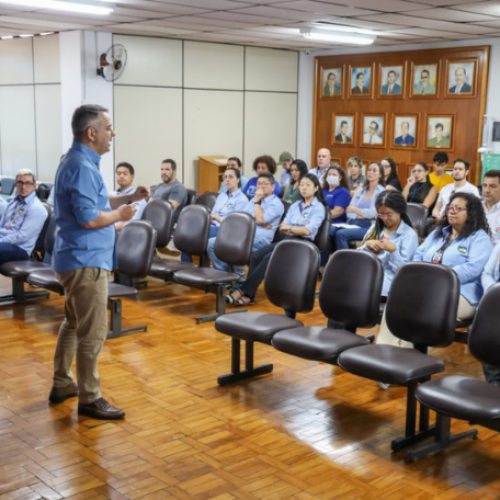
{"x": 20, "y": 295}
{"x": 220, "y": 294}
{"x": 115, "y": 307}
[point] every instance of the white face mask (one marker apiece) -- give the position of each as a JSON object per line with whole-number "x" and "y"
{"x": 333, "y": 180}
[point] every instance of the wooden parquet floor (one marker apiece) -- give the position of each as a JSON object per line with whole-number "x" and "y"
{"x": 307, "y": 431}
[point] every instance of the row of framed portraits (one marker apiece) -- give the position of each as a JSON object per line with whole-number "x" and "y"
{"x": 360, "y": 82}
{"x": 403, "y": 131}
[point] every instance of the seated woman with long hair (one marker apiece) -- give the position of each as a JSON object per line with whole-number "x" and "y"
{"x": 419, "y": 188}
{"x": 302, "y": 221}
{"x": 262, "y": 164}
{"x": 391, "y": 175}
{"x": 297, "y": 170}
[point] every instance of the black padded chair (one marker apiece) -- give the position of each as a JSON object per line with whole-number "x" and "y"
{"x": 19, "y": 271}
{"x": 191, "y": 236}
{"x": 290, "y": 283}
{"x": 192, "y": 194}
{"x": 323, "y": 236}
{"x": 159, "y": 213}
{"x": 134, "y": 253}
{"x": 207, "y": 199}
{"x": 278, "y": 235}
{"x": 418, "y": 216}
{"x": 233, "y": 245}
{"x": 349, "y": 295}
{"x": 421, "y": 309}
{"x": 466, "y": 398}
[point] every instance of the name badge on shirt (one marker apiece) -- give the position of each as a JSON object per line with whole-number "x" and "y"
{"x": 497, "y": 230}
{"x": 462, "y": 250}
{"x": 229, "y": 205}
{"x": 305, "y": 214}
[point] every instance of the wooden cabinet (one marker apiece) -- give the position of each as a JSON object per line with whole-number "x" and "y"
{"x": 210, "y": 172}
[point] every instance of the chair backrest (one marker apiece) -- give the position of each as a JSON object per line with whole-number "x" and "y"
{"x": 135, "y": 248}
{"x": 292, "y": 274}
{"x": 323, "y": 236}
{"x": 234, "y": 241}
{"x": 418, "y": 216}
{"x": 351, "y": 287}
{"x": 422, "y": 304}
{"x": 484, "y": 336}
{"x": 50, "y": 235}
{"x": 159, "y": 213}
{"x": 193, "y": 228}
{"x": 40, "y": 242}
{"x": 278, "y": 235}
{"x": 8, "y": 185}
{"x": 207, "y": 199}
{"x": 43, "y": 192}
{"x": 192, "y": 194}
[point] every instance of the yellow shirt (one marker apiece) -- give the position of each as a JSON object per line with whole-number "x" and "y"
{"x": 440, "y": 182}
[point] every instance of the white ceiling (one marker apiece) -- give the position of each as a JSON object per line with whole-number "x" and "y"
{"x": 271, "y": 23}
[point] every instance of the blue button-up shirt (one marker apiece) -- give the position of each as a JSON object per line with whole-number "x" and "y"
{"x": 140, "y": 205}
{"x": 491, "y": 273}
{"x": 22, "y": 222}
{"x": 371, "y": 211}
{"x": 273, "y": 209}
{"x": 466, "y": 256}
{"x": 286, "y": 178}
{"x": 310, "y": 217}
{"x": 406, "y": 240}
{"x": 80, "y": 196}
{"x": 229, "y": 202}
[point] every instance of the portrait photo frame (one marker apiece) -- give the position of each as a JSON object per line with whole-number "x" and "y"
{"x": 405, "y": 130}
{"x": 461, "y": 72}
{"x": 391, "y": 81}
{"x": 344, "y": 134}
{"x": 421, "y": 87}
{"x": 325, "y": 83}
{"x": 361, "y": 88}
{"x": 374, "y": 136}
{"x": 439, "y": 132}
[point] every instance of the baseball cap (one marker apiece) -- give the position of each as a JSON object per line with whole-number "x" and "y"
{"x": 285, "y": 156}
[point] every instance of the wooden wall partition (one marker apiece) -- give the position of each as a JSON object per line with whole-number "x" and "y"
{"x": 406, "y": 105}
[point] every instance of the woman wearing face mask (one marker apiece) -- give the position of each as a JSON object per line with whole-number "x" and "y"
{"x": 297, "y": 170}
{"x": 419, "y": 188}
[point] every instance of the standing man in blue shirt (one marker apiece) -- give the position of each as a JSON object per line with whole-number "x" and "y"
{"x": 22, "y": 220}
{"x": 83, "y": 258}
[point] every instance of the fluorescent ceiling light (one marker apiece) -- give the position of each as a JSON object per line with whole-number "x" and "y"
{"x": 82, "y": 6}
{"x": 337, "y": 37}
{"x": 7, "y": 37}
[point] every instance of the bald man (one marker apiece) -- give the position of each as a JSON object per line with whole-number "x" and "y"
{"x": 324, "y": 158}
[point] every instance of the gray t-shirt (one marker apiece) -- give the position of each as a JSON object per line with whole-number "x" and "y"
{"x": 172, "y": 192}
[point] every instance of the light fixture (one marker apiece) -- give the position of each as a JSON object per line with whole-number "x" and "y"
{"x": 26, "y": 35}
{"x": 7, "y": 37}
{"x": 337, "y": 36}
{"x": 82, "y": 6}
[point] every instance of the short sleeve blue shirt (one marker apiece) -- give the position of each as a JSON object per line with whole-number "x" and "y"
{"x": 310, "y": 217}
{"x": 339, "y": 197}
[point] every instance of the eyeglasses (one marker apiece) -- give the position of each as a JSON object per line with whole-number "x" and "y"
{"x": 390, "y": 215}
{"x": 21, "y": 183}
{"x": 455, "y": 209}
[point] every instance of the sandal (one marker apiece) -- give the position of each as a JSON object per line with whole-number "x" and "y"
{"x": 232, "y": 299}
{"x": 244, "y": 300}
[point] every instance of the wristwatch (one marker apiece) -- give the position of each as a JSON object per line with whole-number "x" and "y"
{"x": 288, "y": 228}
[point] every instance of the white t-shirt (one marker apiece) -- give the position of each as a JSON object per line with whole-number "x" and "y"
{"x": 448, "y": 190}
{"x": 493, "y": 217}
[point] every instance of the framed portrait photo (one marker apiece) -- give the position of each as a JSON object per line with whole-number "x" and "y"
{"x": 405, "y": 131}
{"x": 343, "y": 129}
{"x": 391, "y": 81}
{"x": 374, "y": 130}
{"x": 361, "y": 81}
{"x": 440, "y": 132}
{"x": 424, "y": 80}
{"x": 461, "y": 78}
{"x": 331, "y": 82}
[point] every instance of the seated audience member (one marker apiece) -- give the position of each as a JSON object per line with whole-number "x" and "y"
{"x": 22, "y": 220}
{"x": 125, "y": 175}
{"x": 391, "y": 175}
{"x": 439, "y": 177}
{"x": 361, "y": 213}
{"x": 461, "y": 242}
{"x": 286, "y": 160}
{"x": 491, "y": 202}
{"x": 3, "y": 203}
{"x": 262, "y": 164}
{"x": 297, "y": 171}
{"x": 356, "y": 178}
{"x": 419, "y": 189}
{"x": 171, "y": 189}
{"x": 302, "y": 221}
{"x": 337, "y": 198}
{"x": 460, "y": 185}
{"x": 232, "y": 200}
{"x": 233, "y": 162}
{"x": 267, "y": 209}
{"x": 324, "y": 158}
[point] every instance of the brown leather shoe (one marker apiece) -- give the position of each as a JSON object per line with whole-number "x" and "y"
{"x": 60, "y": 394}
{"x": 100, "y": 409}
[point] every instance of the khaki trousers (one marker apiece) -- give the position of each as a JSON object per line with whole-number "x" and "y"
{"x": 83, "y": 330}
{"x": 465, "y": 311}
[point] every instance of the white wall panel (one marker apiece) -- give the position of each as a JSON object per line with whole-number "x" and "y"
{"x": 270, "y": 126}
{"x": 148, "y": 125}
{"x": 213, "y": 66}
{"x": 46, "y": 56}
{"x": 16, "y": 61}
{"x": 213, "y": 125}
{"x": 17, "y": 129}
{"x": 151, "y": 61}
{"x": 48, "y": 130}
{"x": 271, "y": 70}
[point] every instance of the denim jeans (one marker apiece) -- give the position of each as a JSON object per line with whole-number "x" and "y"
{"x": 11, "y": 253}
{"x": 357, "y": 233}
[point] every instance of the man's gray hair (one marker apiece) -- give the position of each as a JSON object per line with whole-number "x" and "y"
{"x": 26, "y": 171}
{"x": 84, "y": 117}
